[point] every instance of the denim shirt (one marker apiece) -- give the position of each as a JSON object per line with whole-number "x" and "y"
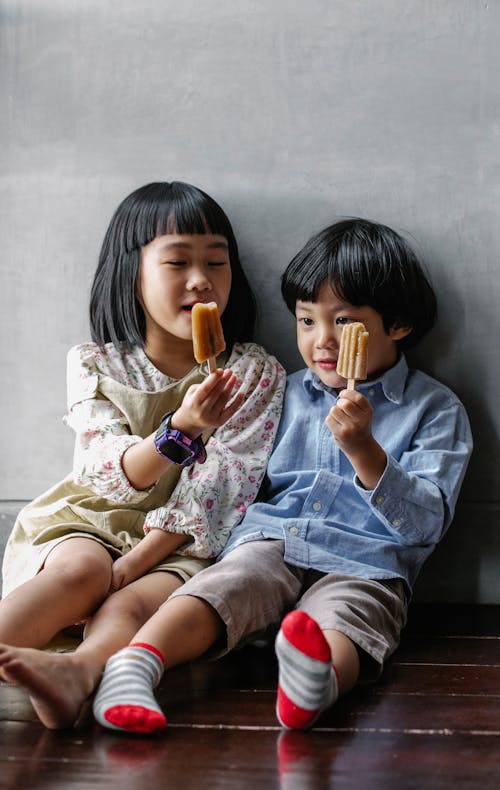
{"x": 316, "y": 504}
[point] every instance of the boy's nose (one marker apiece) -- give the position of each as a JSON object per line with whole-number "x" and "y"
{"x": 326, "y": 339}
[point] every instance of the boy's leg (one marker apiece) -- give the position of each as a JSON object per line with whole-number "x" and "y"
{"x": 338, "y": 618}
{"x": 73, "y": 582}
{"x": 213, "y": 606}
{"x": 310, "y": 680}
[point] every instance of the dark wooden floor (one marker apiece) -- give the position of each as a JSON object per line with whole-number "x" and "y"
{"x": 433, "y": 722}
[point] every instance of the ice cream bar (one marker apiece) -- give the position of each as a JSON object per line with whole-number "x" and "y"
{"x": 208, "y": 337}
{"x": 351, "y": 362}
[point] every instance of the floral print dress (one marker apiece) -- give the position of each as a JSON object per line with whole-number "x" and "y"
{"x": 115, "y": 399}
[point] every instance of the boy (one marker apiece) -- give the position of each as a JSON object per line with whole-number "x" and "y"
{"x": 361, "y": 486}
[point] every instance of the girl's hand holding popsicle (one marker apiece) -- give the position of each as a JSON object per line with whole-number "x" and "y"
{"x": 208, "y": 337}
{"x": 213, "y": 402}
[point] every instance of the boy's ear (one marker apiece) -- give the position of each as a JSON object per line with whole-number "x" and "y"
{"x": 399, "y": 332}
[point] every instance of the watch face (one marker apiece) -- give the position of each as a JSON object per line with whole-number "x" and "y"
{"x": 175, "y": 452}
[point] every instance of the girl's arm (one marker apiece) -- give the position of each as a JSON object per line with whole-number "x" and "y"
{"x": 210, "y": 499}
{"x": 205, "y": 405}
{"x": 155, "y": 547}
{"x": 110, "y": 461}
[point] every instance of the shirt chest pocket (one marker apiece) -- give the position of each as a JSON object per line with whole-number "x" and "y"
{"x": 325, "y": 494}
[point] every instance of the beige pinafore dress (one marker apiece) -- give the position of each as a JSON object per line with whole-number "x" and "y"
{"x": 69, "y": 509}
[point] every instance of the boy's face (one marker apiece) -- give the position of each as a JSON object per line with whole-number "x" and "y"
{"x": 319, "y": 327}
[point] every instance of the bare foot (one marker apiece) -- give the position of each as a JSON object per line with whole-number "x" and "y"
{"x": 57, "y": 683}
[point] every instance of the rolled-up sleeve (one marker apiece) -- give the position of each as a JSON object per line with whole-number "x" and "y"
{"x": 416, "y": 496}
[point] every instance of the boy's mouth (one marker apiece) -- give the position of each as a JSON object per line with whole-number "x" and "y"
{"x": 327, "y": 364}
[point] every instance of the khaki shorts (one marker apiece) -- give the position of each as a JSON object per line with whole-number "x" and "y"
{"x": 184, "y": 567}
{"x": 252, "y": 588}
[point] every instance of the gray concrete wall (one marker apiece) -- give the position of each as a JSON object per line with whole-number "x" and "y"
{"x": 291, "y": 113}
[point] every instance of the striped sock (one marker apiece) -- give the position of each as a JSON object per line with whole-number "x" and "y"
{"x": 125, "y": 699}
{"x": 307, "y": 679}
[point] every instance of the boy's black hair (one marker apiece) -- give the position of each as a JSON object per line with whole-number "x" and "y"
{"x": 156, "y": 209}
{"x": 367, "y": 264}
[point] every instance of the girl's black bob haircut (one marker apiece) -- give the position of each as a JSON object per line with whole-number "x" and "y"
{"x": 366, "y": 264}
{"x": 152, "y": 210}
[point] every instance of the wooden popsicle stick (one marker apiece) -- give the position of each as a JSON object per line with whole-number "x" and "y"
{"x": 351, "y": 384}
{"x": 212, "y": 365}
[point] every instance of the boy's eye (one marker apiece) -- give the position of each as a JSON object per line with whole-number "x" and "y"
{"x": 306, "y": 321}
{"x": 176, "y": 263}
{"x": 343, "y": 319}
{"x": 218, "y": 263}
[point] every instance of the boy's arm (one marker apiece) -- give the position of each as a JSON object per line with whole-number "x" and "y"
{"x": 350, "y": 422}
{"x": 416, "y": 494}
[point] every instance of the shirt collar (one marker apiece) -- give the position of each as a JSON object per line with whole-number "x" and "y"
{"x": 392, "y": 382}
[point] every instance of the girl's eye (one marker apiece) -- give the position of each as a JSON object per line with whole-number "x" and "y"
{"x": 218, "y": 263}
{"x": 176, "y": 263}
{"x": 343, "y": 319}
{"x": 306, "y": 321}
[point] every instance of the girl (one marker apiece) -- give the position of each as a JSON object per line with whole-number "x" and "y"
{"x": 167, "y": 458}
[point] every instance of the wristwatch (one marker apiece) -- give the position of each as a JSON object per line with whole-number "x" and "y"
{"x": 176, "y": 446}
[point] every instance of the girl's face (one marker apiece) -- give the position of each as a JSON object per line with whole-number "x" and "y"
{"x": 176, "y": 272}
{"x": 319, "y": 327}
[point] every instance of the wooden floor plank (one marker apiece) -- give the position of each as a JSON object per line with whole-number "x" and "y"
{"x": 483, "y": 650}
{"x": 184, "y": 758}
{"x": 434, "y": 619}
{"x": 433, "y": 721}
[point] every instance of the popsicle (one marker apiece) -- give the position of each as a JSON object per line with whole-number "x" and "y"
{"x": 351, "y": 362}
{"x": 208, "y": 337}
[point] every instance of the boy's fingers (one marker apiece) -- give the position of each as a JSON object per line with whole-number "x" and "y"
{"x": 356, "y": 398}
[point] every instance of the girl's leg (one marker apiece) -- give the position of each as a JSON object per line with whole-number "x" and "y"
{"x": 243, "y": 593}
{"x": 182, "y": 630}
{"x": 59, "y": 684}
{"x": 73, "y": 582}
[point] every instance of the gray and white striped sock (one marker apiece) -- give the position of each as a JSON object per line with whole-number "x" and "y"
{"x": 307, "y": 680}
{"x": 125, "y": 699}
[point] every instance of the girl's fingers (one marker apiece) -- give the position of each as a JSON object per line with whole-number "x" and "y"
{"x": 219, "y": 395}
{"x": 232, "y": 407}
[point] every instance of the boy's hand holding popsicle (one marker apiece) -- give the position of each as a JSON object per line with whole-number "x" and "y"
{"x": 350, "y": 420}
{"x": 213, "y": 402}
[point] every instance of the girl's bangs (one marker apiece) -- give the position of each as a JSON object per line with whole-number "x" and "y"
{"x": 191, "y": 216}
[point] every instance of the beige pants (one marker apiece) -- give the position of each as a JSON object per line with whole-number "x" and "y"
{"x": 252, "y": 588}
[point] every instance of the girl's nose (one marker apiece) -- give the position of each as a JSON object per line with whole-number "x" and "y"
{"x": 198, "y": 280}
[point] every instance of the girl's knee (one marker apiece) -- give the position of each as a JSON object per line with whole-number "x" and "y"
{"x": 85, "y": 570}
{"x": 141, "y": 599}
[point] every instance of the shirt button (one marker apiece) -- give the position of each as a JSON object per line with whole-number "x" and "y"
{"x": 317, "y": 506}
{"x": 380, "y": 499}
{"x": 396, "y": 522}
{"x": 294, "y": 531}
